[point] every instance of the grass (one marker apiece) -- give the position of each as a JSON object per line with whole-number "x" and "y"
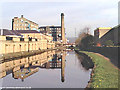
{"x": 104, "y": 75}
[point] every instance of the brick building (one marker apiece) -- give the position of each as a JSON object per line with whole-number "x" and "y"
{"x": 99, "y": 32}
{"x": 23, "y": 40}
{"x": 112, "y": 35}
{"x": 54, "y": 31}
{"x": 23, "y": 24}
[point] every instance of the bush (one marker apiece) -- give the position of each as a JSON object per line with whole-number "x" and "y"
{"x": 84, "y": 41}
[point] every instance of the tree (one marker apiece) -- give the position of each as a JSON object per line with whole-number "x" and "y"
{"x": 87, "y": 41}
{"x": 84, "y": 40}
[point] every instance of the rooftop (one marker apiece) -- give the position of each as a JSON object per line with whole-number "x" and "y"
{"x": 104, "y": 28}
{"x": 26, "y": 31}
{"x": 50, "y": 27}
{"x": 26, "y": 19}
{"x": 6, "y": 32}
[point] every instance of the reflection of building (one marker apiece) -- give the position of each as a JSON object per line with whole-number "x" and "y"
{"x": 24, "y": 67}
{"x": 58, "y": 62}
{"x": 23, "y": 24}
{"x": 24, "y": 73}
{"x": 54, "y": 31}
{"x": 54, "y": 63}
{"x": 12, "y": 66}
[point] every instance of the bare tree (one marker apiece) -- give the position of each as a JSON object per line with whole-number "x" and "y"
{"x": 82, "y": 34}
{"x": 84, "y": 39}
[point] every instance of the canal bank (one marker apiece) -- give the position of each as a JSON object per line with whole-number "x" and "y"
{"x": 104, "y": 74}
{"x": 11, "y": 56}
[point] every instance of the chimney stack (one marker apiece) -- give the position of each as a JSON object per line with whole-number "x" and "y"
{"x": 21, "y": 16}
{"x": 62, "y": 28}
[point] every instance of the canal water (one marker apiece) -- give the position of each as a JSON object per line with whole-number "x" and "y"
{"x": 52, "y": 69}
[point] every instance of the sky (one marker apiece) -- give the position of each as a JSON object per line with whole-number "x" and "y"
{"x": 78, "y": 13}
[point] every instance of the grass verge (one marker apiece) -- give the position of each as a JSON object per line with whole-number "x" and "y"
{"x": 104, "y": 75}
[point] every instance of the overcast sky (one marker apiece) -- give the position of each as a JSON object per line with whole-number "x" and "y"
{"x": 78, "y": 13}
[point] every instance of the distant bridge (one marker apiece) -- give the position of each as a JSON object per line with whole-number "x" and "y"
{"x": 70, "y": 44}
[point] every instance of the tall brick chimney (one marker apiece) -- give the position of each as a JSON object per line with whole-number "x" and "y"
{"x": 21, "y": 16}
{"x": 62, "y": 28}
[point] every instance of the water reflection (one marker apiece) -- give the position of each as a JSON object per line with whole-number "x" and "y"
{"x": 52, "y": 69}
{"x": 85, "y": 61}
{"x": 25, "y": 67}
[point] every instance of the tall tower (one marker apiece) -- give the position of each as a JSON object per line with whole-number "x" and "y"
{"x": 62, "y": 28}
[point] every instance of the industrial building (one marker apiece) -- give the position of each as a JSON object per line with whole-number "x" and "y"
{"x": 57, "y": 32}
{"x": 54, "y": 31}
{"x": 99, "y": 32}
{"x": 23, "y": 24}
{"x": 113, "y": 36}
{"x": 104, "y": 35}
{"x": 23, "y": 40}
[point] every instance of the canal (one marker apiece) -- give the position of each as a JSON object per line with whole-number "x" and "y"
{"x": 52, "y": 69}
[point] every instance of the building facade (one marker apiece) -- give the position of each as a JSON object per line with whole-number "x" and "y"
{"x": 23, "y": 24}
{"x": 54, "y": 31}
{"x": 15, "y": 65}
{"x": 57, "y": 32}
{"x": 22, "y": 41}
{"x": 99, "y": 32}
{"x": 23, "y": 68}
{"x": 112, "y": 36}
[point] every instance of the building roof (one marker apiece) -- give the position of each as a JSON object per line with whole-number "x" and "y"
{"x": 43, "y": 31}
{"x": 26, "y": 19}
{"x": 118, "y": 26}
{"x": 6, "y": 32}
{"x": 50, "y": 27}
{"x": 104, "y": 27}
{"x": 26, "y": 31}
{"x": 31, "y": 21}
{"x": 112, "y": 29}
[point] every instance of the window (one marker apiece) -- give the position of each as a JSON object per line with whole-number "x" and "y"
{"x": 21, "y": 39}
{"x": 30, "y": 38}
{"x": 35, "y": 39}
{"x": 21, "y": 20}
